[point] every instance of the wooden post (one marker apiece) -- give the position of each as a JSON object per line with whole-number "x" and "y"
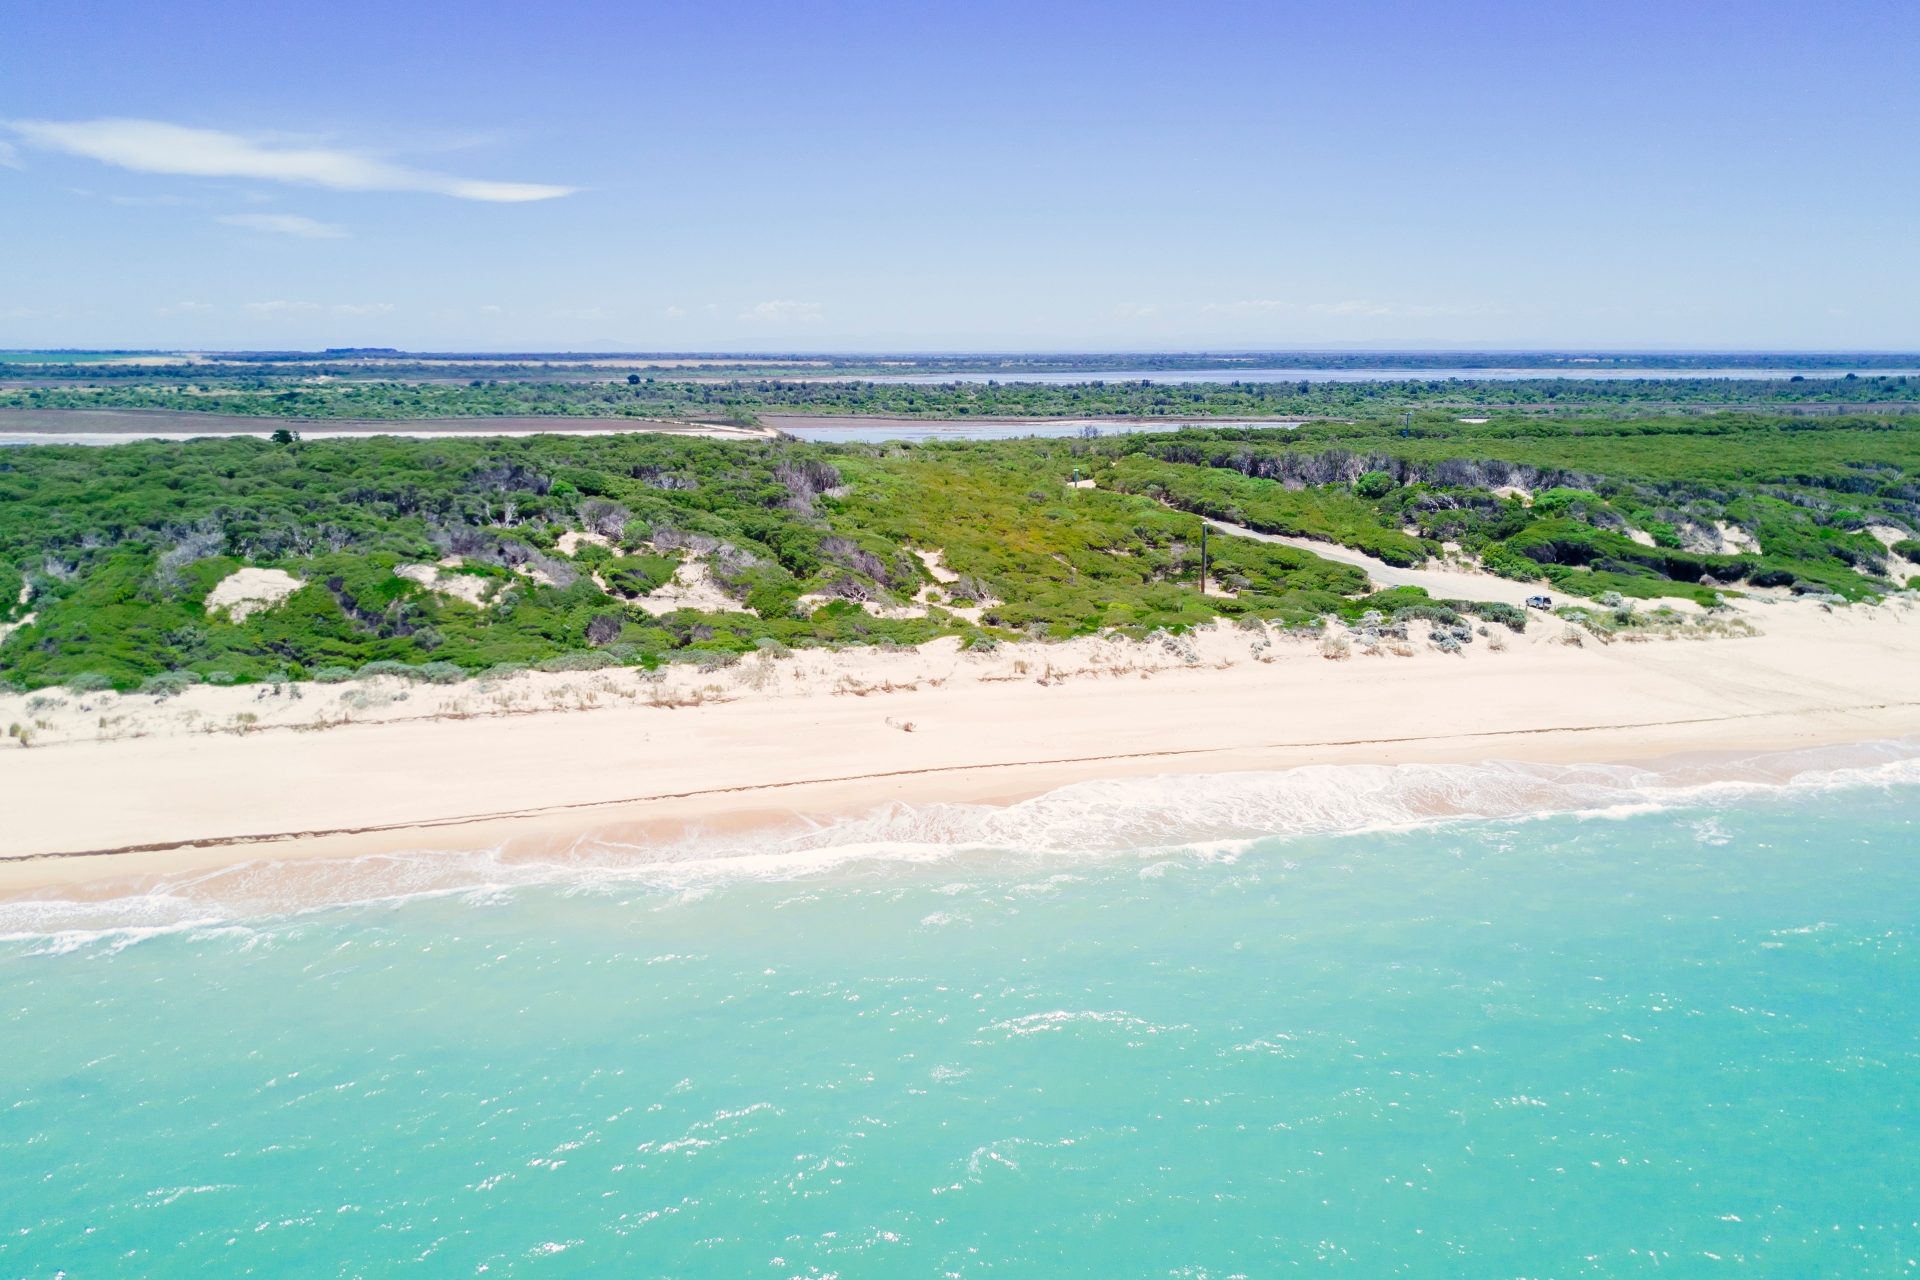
{"x": 1203, "y": 555}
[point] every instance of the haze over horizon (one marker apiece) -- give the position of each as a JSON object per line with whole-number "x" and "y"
{"x": 993, "y": 178}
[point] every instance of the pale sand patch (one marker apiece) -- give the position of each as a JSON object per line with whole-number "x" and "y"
{"x": 691, "y": 587}
{"x": 1900, "y": 569}
{"x": 936, "y": 565}
{"x": 819, "y": 733}
{"x": 533, "y": 573}
{"x": 1735, "y": 539}
{"x": 1887, "y": 535}
{"x": 1514, "y": 491}
{"x": 1640, "y": 536}
{"x": 245, "y": 592}
{"x": 435, "y": 577}
{"x": 573, "y": 539}
{"x": 26, "y": 619}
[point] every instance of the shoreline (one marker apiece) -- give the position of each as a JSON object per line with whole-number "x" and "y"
{"x": 791, "y": 742}
{"x": 663, "y": 817}
{"x": 194, "y": 424}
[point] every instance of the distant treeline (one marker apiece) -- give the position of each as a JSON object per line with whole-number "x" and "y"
{"x": 389, "y": 364}
{"x": 743, "y": 400}
{"x": 1053, "y": 363}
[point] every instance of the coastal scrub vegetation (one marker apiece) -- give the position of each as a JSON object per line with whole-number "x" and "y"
{"x": 1642, "y": 507}
{"x": 457, "y": 556}
{"x": 476, "y": 553}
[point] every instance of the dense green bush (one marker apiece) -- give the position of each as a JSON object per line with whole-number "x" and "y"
{"x": 168, "y": 684}
{"x": 122, "y": 546}
{"x": 637, "y": 575}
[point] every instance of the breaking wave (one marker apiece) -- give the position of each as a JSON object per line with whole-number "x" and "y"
{"x": 1199, "y": 816}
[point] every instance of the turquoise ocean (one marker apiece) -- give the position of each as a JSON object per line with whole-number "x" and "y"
{"x": 1491, "y": 1020}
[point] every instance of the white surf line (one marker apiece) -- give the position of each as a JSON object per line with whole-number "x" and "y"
{"x": 758, "y": 789}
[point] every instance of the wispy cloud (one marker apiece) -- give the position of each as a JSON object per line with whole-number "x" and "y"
{"x": 152, "y": 202}
{"x": 1280, "y": 306}
{"x": 154, "y": 146}
{"x": 785, "y": 311}
{"x": 1253, "y": 307}
{"x": 286, "y": 307}
{"x": 9, "y": 158}
{"x": 286, "y": 224}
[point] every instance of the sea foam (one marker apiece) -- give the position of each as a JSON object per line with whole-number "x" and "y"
{"x": 1185, "y": 816}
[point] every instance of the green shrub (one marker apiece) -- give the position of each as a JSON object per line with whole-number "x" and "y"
{"x": 1439, "y": 613}
{"x": 11, "y": 583}
{"x": 332, "y": 675}
{"x": 388, "y": 667}
{"x": 168, "y": 684}
{"x": 1495, "y": 611}
{"x": 597, "y": 660}
{"x": 637, "y": 575}
{"x": 1374, "y": 484}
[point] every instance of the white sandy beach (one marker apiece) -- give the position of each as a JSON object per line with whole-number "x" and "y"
{"x": 130, "y": 786}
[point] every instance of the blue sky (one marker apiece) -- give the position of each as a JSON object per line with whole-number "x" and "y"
{"x": 941, "y": 176}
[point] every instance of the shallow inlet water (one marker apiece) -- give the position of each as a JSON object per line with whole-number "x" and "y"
{"x": 840, "y": 432}
{"x": 1111, "y": 1031}
{"x": 961, "y": 429}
